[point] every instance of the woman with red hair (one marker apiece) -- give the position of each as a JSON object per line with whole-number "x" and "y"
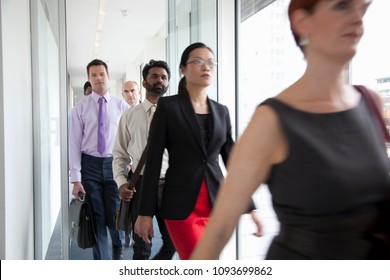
{"x": 318, "y": 147}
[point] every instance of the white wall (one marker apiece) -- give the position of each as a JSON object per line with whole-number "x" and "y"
{"x": 133, "y": 73}
{"x": 2, "y": 161}
{"x": 17, "y": 221}
{"x": 154, "y": 49}
{"x": 226, "y": 56}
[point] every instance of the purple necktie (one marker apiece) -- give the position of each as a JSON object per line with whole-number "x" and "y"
{"x": 102, "y": 126}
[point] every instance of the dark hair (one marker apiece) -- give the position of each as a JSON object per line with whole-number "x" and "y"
{"x": 86, "y": 85}
{"x": 96, "y": 62}
{"x": 155, "y": 63}
{"x": 183, "y": 62}
{"x": 307, "y": 5}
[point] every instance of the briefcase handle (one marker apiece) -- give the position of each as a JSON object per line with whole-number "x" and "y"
{"x": 81, "y": 196}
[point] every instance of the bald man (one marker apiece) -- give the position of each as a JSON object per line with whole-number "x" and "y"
{"x": 131, "y": 93}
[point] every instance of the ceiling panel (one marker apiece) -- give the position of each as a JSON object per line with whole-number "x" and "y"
{"x": 127, "y": 25}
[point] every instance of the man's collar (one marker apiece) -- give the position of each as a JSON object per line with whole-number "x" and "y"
{"x": 96, "y": 96}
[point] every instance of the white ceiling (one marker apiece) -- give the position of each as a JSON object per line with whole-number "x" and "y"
{"x": 127, "y": 24}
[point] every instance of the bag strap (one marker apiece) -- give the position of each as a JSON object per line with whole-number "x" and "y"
{"x": 370, "y": 99}
{"x": 136, "y": 174}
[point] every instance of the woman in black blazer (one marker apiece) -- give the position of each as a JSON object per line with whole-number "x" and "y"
{"x": 195, "y": 130}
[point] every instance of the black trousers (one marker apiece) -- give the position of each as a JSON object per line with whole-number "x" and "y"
{"x": 141, "y": 249}
{"x": 167, "y": 250}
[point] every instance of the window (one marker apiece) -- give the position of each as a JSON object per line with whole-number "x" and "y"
{"x": 370, "y": 66}
{"x": 268, "y": 62}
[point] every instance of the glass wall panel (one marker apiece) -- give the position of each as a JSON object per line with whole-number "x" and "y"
{"x": 191, "y": 21}
{"x": 268, "y": 62}
{"x": 47, "y": 171}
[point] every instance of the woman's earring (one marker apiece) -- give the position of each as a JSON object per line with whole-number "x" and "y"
{"x": 303, "y": 41}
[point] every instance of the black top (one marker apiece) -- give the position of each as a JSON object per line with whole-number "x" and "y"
{"x": 334, "y": 180}
{"x": 206, "y": 127}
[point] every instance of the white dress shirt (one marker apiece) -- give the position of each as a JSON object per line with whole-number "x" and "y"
{"x": 130, "y": 142}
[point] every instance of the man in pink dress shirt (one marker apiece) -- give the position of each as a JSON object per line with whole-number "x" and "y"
{"x": 90, "y": 167}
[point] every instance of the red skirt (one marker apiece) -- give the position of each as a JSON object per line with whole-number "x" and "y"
{"x": 185, "y": 234}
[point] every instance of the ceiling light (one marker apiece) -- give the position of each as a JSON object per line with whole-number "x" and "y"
{"x": 99, "y": 26}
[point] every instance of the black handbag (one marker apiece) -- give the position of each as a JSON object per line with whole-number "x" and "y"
{"x": 123, "y": 214}
{"x": 81, "y": 227}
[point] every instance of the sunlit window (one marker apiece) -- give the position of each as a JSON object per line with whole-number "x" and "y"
{"x": 269, "y": 62}
{"x": 371, "y": 65}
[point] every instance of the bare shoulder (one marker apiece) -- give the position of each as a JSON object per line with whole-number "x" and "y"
{"x": 266, "y": 131}
{"x": 266, "y": 119}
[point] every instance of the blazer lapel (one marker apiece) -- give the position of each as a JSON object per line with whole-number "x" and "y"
{"x": 190, "y": 116}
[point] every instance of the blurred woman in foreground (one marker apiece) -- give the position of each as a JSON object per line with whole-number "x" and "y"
{"x": 318, "y": 147}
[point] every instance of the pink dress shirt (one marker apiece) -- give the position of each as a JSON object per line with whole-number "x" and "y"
{"x": 83, "y": 131}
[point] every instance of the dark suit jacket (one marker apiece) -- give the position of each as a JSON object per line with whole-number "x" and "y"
{"x": 175, "y": 127}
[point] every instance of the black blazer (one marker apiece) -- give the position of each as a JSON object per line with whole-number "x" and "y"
{"x": 175, "y": 127}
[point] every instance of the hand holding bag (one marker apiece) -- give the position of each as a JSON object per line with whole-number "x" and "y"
{"x": 81, "y": 228}
{"x": 123, "y": 214}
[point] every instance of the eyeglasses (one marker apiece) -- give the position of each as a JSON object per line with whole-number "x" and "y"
{"x": 201, "y": 62}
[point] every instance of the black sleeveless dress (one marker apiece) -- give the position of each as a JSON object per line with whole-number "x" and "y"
{"x": 331, "y": 193}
